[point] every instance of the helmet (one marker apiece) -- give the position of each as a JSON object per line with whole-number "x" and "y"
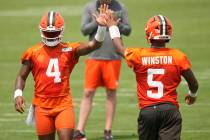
{"x": 51, "y": 28}
{"x": 158, "y": 28}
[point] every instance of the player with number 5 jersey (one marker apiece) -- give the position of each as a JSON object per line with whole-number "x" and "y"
{"x": 51, "y": 62}
{"x": 158, "y": 71}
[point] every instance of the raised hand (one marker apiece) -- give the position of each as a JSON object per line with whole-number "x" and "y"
{"x": 101, "y": 18}
{"x": 111, "y": 19}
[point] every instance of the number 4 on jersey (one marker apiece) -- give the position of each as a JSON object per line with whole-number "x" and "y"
{"x": 56, "y": 73}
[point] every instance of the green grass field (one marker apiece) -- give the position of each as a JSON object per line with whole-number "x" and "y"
{"x": 19, "y": 30}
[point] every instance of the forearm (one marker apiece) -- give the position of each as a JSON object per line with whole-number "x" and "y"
{"x": 125, "y": 29}
{"x": 20, "y": 83}
{"x": 124, "y": 25}
{"x": 19, "y": 86}
{"x": 22, "y": 76}
{"x": 85, "y": 49}
{"x": 92, "y": 45}
{"x": 193, "y": 86}
{"x": 89, "y": 28}
{"x": 119, "y": 46}
{"x": 191, "y": 80}
{"x": 88, "y": 23}
{"x": 115, "y": 35}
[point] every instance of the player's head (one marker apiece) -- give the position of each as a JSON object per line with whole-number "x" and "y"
{"x": 51, "y": 28}
{"x": 158, "y": 28}
{"x": 105, "y": 1}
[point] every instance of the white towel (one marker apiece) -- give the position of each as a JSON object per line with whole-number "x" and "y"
{"x": 30, "y": 118}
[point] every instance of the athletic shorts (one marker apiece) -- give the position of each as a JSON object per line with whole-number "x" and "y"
{"x": 48, "y": 120}
{"x": 102, "y": 73}
{"x": 160, "y": 122}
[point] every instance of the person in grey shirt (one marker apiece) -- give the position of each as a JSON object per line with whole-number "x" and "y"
{"x": 102, "y": 66}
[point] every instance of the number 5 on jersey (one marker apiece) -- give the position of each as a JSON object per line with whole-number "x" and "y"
{"x": 152, "y": 83}
{"x": 53, "y": 72}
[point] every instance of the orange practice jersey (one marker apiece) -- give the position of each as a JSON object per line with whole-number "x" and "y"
{"x": 158, "y": 73}
{"x": 51, "y": 69}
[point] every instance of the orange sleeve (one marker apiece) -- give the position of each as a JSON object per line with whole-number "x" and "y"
{"x": 132, "y": 56}
{"x": 183, "y": 61}
{"x": 74, "y": 47}
{"x": 27, "y": 55}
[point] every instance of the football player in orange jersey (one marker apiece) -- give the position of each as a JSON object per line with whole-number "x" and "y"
{"x": 158, "y": 71}
{"x": 51, "y": 63}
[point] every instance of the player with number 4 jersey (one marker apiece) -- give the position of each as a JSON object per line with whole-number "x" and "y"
{"x": 51, "y": 69}
{"x": 51, "y": 63}
{"x": 158, "y": 71}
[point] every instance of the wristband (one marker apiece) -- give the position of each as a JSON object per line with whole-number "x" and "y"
{"x": 114, "y": 31}
{"x": 192, "y": 94}
{"x": 100, "y": 34}
{"x": 18, "y": 92}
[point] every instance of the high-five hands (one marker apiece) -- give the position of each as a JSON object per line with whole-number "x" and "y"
{"x": 106, "y": 17}
{"x": 111, "y": 20}
{"x": 101, "y": 18}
